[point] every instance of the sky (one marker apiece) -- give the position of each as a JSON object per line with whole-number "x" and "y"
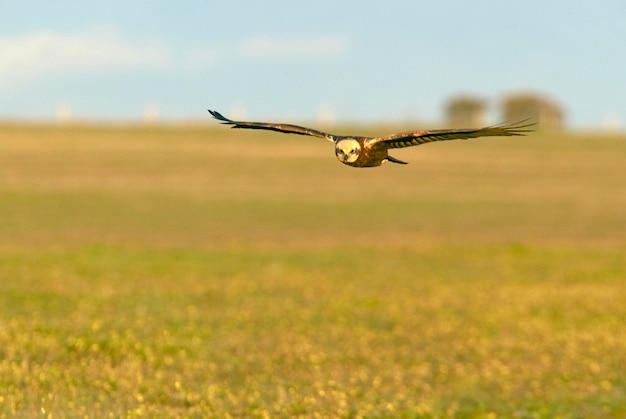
{"x": 350, "y": 60}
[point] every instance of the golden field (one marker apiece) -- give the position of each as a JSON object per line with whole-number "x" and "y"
{"x": 207, "y": 272}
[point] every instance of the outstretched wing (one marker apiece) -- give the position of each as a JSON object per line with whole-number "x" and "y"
{"x": 286, "y": 128}
{"x": 411, "y": 138}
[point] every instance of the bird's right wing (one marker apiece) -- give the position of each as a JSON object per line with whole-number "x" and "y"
{"x": 285, "y": 128}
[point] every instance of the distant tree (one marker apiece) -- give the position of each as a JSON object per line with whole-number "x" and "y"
{"x": 537, "y": 108}
{"x": 465, "y": 112}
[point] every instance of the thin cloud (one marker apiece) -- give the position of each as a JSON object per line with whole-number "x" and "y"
{"x": 266, "y": 47}
{"x": 45, "y": 54}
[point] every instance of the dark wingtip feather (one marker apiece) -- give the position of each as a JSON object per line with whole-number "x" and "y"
{"x": 518, "y": 128}
{"x": 220, "y": 117}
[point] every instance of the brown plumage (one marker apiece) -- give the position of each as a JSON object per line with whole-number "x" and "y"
{"x": 360, "y": 151}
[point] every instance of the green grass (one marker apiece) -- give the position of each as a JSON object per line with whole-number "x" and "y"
{"x": 196, "y": 272}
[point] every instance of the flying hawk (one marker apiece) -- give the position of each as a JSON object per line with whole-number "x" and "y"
{"x": 373, "y": 151}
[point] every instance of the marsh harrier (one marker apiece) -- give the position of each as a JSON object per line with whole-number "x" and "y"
{"x": 360, "y": 151}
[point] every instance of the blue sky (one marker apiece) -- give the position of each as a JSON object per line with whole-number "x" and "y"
{"x": 286, "y": 60}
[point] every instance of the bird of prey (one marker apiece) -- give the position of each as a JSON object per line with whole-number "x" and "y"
{"x": 360, "y": 151}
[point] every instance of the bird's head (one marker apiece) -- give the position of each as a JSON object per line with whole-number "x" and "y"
{"x": 347, "y": 150}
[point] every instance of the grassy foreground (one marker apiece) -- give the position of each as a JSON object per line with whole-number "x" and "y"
{"x": 201, "y": 272}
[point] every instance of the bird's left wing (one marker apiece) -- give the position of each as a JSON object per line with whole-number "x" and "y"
{"x": 285, "y": 128}
{"x": 411, "y": 138}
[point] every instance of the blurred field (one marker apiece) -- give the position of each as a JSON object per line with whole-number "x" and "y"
{"x": 206, "y": 272}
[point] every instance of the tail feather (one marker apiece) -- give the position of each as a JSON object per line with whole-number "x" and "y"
{"x": 394, "y": 160}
